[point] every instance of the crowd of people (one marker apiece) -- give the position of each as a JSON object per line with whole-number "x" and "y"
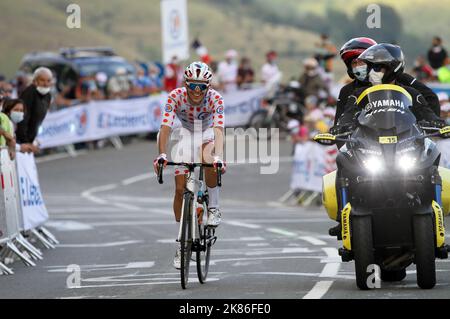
{"x": 234, "y": 72}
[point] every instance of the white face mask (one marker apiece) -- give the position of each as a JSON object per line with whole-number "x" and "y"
{"x": 43, "y": 90}
{"x": 17, "y": 117}
{"x": 375, "y": 77}
{"x": 360, "y": 72}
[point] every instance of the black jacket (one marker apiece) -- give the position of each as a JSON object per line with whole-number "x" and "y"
{"x": 36, "y": 107}
{"x": 420, "y": 108}
{"x": 404, "y": 80}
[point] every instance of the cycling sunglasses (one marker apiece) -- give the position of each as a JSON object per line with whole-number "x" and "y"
{"x": 193, "y": 86}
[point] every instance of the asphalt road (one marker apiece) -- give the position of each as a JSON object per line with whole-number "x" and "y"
{"x": 115, "y": 223}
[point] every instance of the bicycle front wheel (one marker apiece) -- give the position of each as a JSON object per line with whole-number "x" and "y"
{"x": 186, "y": 240}
{"x": 204, "y": 252}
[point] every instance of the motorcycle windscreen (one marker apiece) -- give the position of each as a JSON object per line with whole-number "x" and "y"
{"x": 385, "y": 107}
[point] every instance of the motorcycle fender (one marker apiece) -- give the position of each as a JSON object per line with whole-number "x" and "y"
{"x": 445, "y": 176}
{"x": 439, "y": 224}
{"x": 329, "y": 197}
{"x": 345, "y": 220}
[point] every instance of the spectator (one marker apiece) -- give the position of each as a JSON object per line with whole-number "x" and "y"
{"x": 227, "y": 72}
{"x": 36, "y": 98}
{"x": 246, "y": 75}
{"x": 445, "y": 106}
{"x": 142, "y": 84}
{"x": 101, "y": 78}
{"x": 172, "y": 75}
{"x": 214, "y": 81}
{"x": 14, "y": 110}
{"x": 311, "y": 82}
{"x": 325, "y": 53}
{"x": 436, "y": 54}
{"x": 23, "y": 81}
{"x": 8, "y": 90}
{"x": 270, "y": 73}
{"x": 422, "y": 71}
{"x": 118, "y": 86}
{"x": 443, "y": 73}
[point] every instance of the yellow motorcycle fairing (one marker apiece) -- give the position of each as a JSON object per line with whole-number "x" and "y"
{"x": 329, "y": 197}
{"x": 445, "y": 176}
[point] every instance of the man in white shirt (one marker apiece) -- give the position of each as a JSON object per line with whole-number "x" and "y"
{"x": 270, "y": 73}
{"x": 227, "y": 72}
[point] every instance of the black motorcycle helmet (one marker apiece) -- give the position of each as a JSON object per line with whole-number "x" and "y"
{"x": 385, "y": 55}
{"x": 352, "y": 49}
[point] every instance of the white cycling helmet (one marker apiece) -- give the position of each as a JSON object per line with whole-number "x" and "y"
{"x": 198, "y": 71}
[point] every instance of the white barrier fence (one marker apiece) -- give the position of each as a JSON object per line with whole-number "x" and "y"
{"x": 22, "y": 210}
{"x": 311, "y": 162}
{"x": 103, "y": 119}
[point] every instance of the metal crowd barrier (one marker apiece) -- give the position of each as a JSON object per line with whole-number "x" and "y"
{"x": 13, "y": 243}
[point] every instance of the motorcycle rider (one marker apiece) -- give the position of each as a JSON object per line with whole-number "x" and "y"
{"x": 383, "y": 64}
{"x": 357, "y": 71}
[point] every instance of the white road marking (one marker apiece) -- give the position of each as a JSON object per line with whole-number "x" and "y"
{"x": 281, "y": 232}
{"x": 319, "y": 290}
{"x": 240, "y": 224}
{"x": 141, "y": 264}
{"x": 172, "y": 240}
{"x": 53, "y": 157}
{"x": 191, "y": 280}
{"x": 330, "y": 270}
{"x": 87, "y": 194}
{"x": 303, "y": 274}
{"x": 102, "y": 245}
{"x": 138, "y": 178}
{"x": 68, "y": 225}
{"x": 257, "y": 244}
{"x": 104, "y": 267}
{"x": 312, "y": 240}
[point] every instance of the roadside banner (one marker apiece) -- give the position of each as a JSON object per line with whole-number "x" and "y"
{"x": 311, "y": 162}
{"x": 33, "y": 207}
{"x": 103, "y": 119}
{"x": 174, "y": 26}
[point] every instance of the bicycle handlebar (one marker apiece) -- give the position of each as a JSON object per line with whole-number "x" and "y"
{"x": 190, "y": 166}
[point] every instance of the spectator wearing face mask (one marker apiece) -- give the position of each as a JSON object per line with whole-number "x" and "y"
{"x": 437, "y": 54}
{"x": 37, "y": 99}
{"x": 13, "y": 113}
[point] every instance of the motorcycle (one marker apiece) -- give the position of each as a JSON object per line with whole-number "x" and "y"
{"x": 278, "y": 110}
{"x": 389, "y": 190}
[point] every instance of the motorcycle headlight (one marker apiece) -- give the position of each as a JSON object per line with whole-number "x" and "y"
{"x": 406, "y": 162}
{"x": 374, "y": 165}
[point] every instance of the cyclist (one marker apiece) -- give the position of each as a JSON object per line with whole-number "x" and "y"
{"x": 200, "y": 110}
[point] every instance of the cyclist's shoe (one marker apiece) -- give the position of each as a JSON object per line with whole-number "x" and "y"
{"x": 214, "y": 217}
{"x": 177, "y": 258}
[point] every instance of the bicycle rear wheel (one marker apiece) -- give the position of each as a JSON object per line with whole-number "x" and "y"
{"x": 186, "y": 240}
{"x": 204, "y": 252}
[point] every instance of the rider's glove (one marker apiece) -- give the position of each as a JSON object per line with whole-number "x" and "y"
{"x": 218, "y": 162}
{"x": 161, "y": 157}
{"x": 339, "y": 129}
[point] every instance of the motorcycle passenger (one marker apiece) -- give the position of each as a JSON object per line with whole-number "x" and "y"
{"x": 384, "y": 64}
{"x": 358, "y": 72}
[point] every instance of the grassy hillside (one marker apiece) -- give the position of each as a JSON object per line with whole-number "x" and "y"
{"x": 132, "y": 27}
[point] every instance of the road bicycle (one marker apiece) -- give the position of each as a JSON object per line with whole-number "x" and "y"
{"x": 194, "y": 235}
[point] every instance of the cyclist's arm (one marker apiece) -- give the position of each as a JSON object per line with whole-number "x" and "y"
{"x": 218, "y": 125}
{"x": 167, "y": 122}
{"x": 163, "y": 138}
{"x": 218, "y": 141}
